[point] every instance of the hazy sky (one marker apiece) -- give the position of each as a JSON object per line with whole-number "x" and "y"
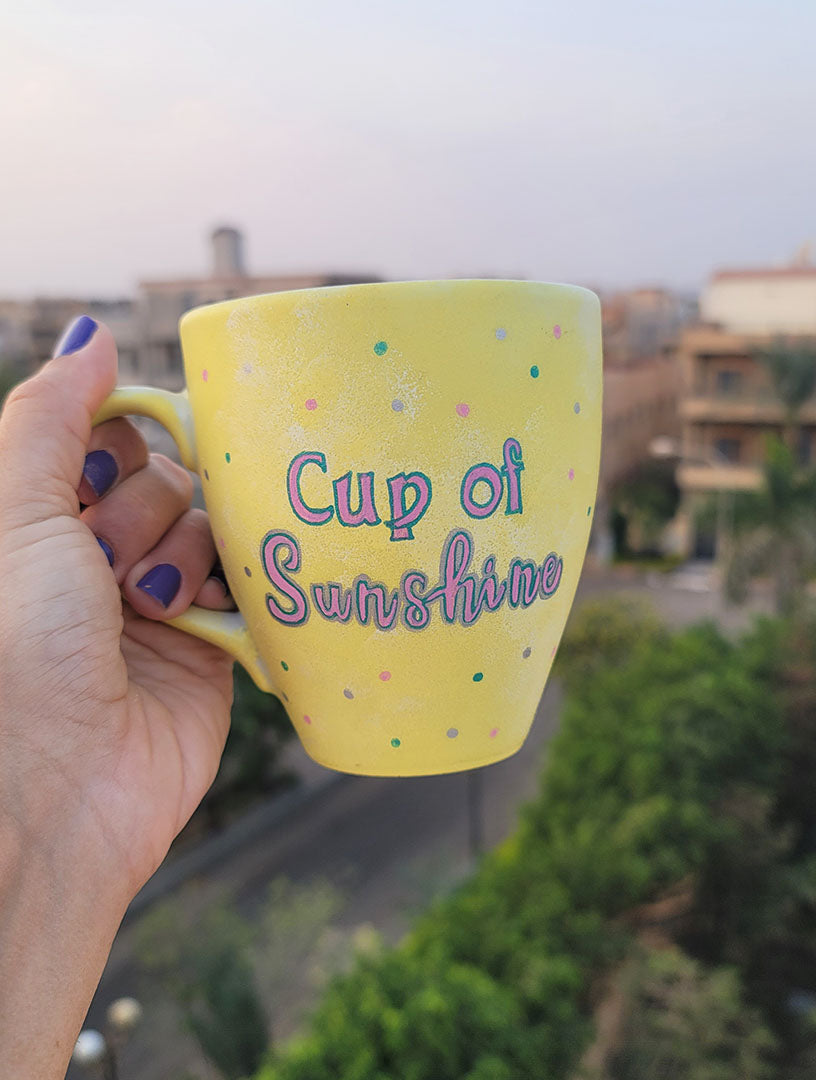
{"x": 594, "y": 141}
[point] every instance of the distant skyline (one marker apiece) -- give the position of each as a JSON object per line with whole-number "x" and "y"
{"x": 612, "y": 145}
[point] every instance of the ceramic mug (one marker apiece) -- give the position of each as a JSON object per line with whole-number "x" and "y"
{"x": 400, "y": 480}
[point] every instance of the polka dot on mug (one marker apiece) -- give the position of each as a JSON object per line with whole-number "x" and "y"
{"x": 571, "y": 474}
{"x": 222, "y": 543}
{"x": 556, "y": 331}
{"x": 385, "y": 675}
{"x": 527, "y": 653}
{"x": 494, "y": 732}
{"x": 463, "y": 409}
{"x": 397, "y": 405}
{"x": 576, "y": 408}
{"x": 205, "y": 375}
{"x": 501, "y": 333}
{"x": 396, "y": 743}
{"x": 284, "y": 665}
{"x": 284, "y": 695}
{"x": 534, "y": 372}
{"x": 381, "y": 348}
{"x": 307, "y": 719}
{"x": 228, "y": 457}
{"x": 478, "y": 676}
{"x": 311, "y": 404}
{"x": 348, "y": 694}
{"x": 452, "y": 732}
{"x": 206, "y": 475}
{"x": 247, "y": 571}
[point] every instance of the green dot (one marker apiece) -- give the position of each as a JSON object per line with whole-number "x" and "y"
{"x": 589, "y": 510}
{"x": 534, "y": 371}
{"x": 381, "y": 348}
{"x": 284, "y": 665}
{"x": 395, "y": 743}
{"x": 478, "y": 676}
{"x": 227, "y": 456}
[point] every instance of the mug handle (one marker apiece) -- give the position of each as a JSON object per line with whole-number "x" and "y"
{"x": 227, "y": 629}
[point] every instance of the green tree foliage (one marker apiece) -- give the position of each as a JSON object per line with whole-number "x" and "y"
{"x": 207, "y": 969}
{"x": 229, "y": 975}
{"x": 774, "y": 532}
{"x": 604, "y": 632}
{"x": 687, "y": 1023}
{"x": 792, "y": 368}
{"x": 670, "y": 759}
{"x": 646, "y": 500}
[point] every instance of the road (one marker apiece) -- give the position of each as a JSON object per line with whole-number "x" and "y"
{"x": 387, "y": 844}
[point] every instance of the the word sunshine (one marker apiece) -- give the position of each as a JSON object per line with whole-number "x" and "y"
{"x": 458, "y": 596}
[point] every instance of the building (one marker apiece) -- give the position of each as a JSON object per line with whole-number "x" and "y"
{"x": 161, "y": 304}
{"x": 728, "y": 405}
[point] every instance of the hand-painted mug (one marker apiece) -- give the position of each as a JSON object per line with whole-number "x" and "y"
{"x": 400, "y": 480}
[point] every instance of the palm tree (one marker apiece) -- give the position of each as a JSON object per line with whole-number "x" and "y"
{"x": 792, "y": 368}
{"x": 774, "y": 531}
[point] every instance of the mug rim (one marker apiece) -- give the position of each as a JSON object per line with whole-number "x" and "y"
{"x": 254, "y": 298}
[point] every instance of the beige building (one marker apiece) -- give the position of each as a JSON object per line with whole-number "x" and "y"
{"x": 161, "y": 304}
{"x": 728, "y": 405}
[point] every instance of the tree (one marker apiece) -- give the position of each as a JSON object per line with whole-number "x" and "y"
{"x": 686, "y": 1023}
{"x": 792, "y": 367}
{"x": 774, "y": 532}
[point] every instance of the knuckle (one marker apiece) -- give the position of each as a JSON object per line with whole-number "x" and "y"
{"x": 175, "y": 475}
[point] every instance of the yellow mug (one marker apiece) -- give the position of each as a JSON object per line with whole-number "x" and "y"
{"x": 400, "y": 480}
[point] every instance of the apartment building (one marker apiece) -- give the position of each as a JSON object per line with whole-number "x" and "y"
{"x": 728, "y": 406}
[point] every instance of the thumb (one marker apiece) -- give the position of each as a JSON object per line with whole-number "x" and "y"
{"x": 45, "y": 426}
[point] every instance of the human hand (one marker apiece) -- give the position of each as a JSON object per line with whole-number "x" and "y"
{"x": 111, "y": 723}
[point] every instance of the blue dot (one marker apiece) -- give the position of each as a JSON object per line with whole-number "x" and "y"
{"x": 534, "y": 371}
{"x": 381, "y": 348}
{"x": 576, "y": 408}
{"x": 501, "y": 333}
{"x": 397, "y": 405}
{"x": 395, "y": 743}
{"x": 227, "y": 457}
{"x": 478, "y": 676}
{"x": 589, "y": 510}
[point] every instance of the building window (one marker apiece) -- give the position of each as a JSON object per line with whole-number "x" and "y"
{"x": 727, "y": 450}
{"x": 728, "y": 383}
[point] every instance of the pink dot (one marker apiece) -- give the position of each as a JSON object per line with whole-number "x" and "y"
{"x": 571, "y": 474}
{"x": 494, "y": 733}
{"x": 222, "y": 543}
{"x": 556, "y": 331}
{"x": 205, "y": 375}
{"x": 552, "y": 654}
{"x": 463, "y": 409}
{"x": 307, "y": 719}
{"x": 385, "y": 675}
{"x": 311, "y": 404}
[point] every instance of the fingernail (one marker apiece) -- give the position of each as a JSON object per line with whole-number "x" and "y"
{"x": 217, "y": 574}
{"x": 77, "y": 334}
{"x": 100, "y": 471}
{"x": 162, "y": 582}
{"x": 106, "y": 548}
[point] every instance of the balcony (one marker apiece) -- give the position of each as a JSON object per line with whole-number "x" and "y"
{"x": 751, "y": 406}
{"x": 720, "y": 477}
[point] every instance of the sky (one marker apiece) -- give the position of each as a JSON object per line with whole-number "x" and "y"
{"x": 607, "y": 144}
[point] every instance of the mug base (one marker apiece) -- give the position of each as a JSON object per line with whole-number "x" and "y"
{"x": 361, "y": 769}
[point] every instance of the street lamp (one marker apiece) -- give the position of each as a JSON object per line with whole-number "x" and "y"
{"x": 99, "y": 1053}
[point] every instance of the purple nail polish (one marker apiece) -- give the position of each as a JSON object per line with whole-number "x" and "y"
{"x": 77, "y": 334}
{"x": 100, "y": 471}
{"x": 162, "y": 582}
{"x": 106, "y": 548}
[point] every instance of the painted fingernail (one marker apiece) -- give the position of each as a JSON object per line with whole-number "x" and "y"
{"x": 217, "y": 574}
{"x": 77, "y": 334}
{"x": 162, "y": 583}
{"x": 106, "y": 548}
{"x": 100, "y": 471}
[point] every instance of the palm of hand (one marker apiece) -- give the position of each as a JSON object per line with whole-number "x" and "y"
{"x": 142, "y": 708}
